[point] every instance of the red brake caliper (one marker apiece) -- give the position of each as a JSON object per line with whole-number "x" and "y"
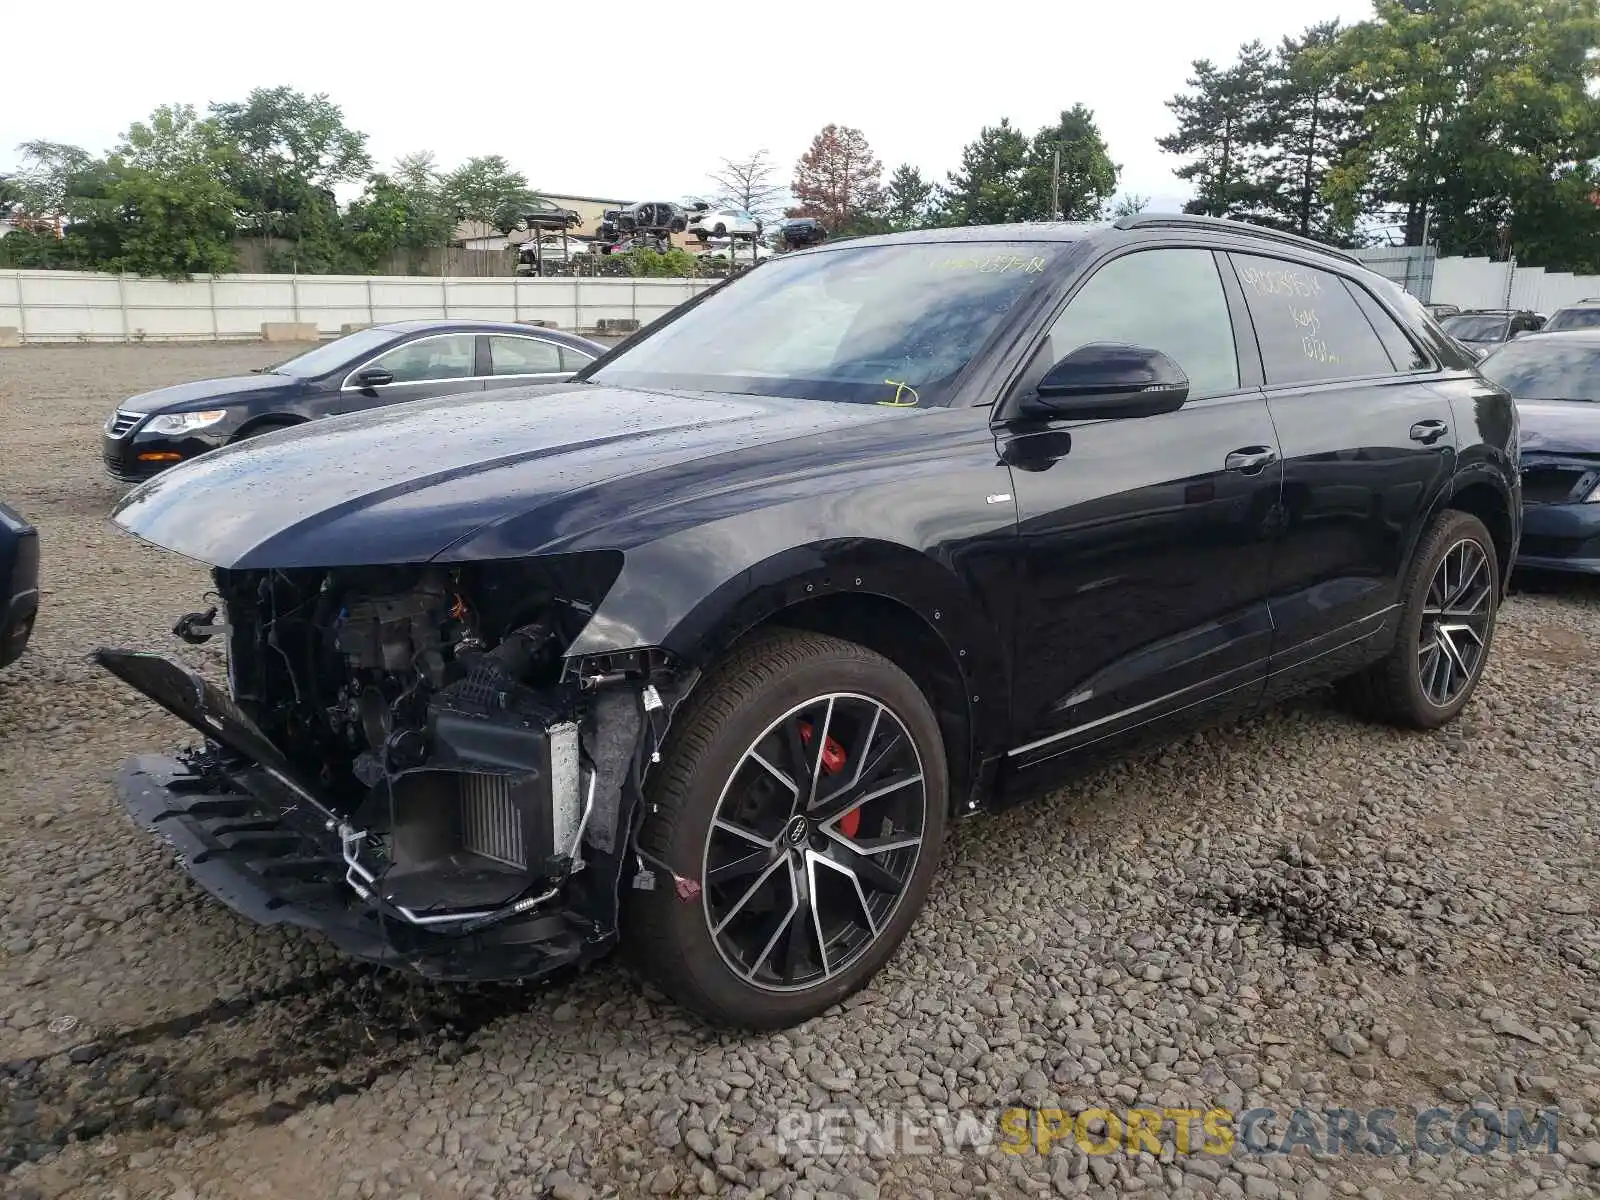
{"x": 833, "y": 760}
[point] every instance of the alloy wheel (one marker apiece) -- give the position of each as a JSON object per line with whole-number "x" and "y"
{"x": 816, "y": 838}
{"x": 1456, "y": 616}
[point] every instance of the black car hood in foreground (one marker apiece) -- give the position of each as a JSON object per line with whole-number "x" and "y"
{"x": 1560, "y": 426}
{"x": 403, "y": 484}
{"x": 186, "y": 397}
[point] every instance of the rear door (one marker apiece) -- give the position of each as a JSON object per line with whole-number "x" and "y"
{"x": 517, "y": 361}
{"x": 1145, "y": 541}
{"x": 1368, "y": 454}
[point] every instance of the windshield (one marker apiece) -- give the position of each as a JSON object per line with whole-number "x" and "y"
{"x": 1546, "y": 369}
{"x": 1477, "y": 327}
{"x": 1575, "y": 318}
{"x": 335, "y": 354}
{"x": 888, "y": 325}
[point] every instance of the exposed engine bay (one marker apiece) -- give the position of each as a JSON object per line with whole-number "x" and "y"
{"x": 411, "y": 746}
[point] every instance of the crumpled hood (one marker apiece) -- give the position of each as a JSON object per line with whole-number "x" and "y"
{"x": 403, "y": 483}
{"x": 187, "y": 397}
{"x": 1560, "y": 426}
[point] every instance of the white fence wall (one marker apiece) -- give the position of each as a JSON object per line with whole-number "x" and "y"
{"x": 1480, "y": 283}
{"x": 74, "y": 306}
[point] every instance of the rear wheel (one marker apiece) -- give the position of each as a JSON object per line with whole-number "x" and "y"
{"x": 1451, "y": 599}
{"x": 805, "y": 793}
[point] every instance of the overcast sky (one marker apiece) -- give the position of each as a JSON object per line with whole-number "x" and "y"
{"x": 612, "y": 100}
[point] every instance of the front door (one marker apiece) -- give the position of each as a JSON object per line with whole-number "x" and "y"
{"x": 438, "y": 364}
{"x": 1365, "y": 428}
{"x": 1145, "y": 540}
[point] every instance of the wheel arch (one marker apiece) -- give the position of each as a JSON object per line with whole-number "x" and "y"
{"x": 902, "y": 604}
{"x": 266, "y": 421}
{"x": 1483, "y": 494}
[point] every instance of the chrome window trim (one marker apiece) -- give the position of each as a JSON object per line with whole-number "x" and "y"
{"x": 527, "y": 337}
{"x": 345, "y": 385}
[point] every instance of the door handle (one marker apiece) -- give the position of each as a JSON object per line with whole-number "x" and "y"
{"x": 1251, "y": 460}
{"x": 1428, "y": 432}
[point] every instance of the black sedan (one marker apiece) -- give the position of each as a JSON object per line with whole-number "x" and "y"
{"x": 385, "y": 364}
{"x": 1555, "y": 378}
{"x": 19, "y": 583}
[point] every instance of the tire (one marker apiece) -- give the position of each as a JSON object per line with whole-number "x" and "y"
{"x": 1403, "y": 687}
{"x": 742, "y": 956}
{"x": 721, "y": 230}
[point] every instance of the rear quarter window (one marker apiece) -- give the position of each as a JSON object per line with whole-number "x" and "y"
{"x": 1309, "y": 326}
{"x": 1403, "y": 352}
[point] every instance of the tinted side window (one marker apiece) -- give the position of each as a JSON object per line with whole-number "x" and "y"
{"x": 523, "y": 356}
{"x": 573, "y": 360}
{"x": 1308, "y": 325}
{"x": 448, "y": 357}
{"x": 1167, "y": 300}
{"x": 1402, "y": 350}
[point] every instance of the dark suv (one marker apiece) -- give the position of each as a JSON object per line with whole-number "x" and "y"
{"x": 705, "y": 650}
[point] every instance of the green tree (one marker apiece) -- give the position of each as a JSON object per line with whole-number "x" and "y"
{"x": 908, "y": 199}
{"x": 1064, "y": 172}
{"x": 39, "y": 188}
{"x": 1309, "y": 124}
{"x": 1069, "y": 174}
{"x": 1221, "y": 121}
{"x": 292, "y": 151}
{"x": 838, "y": 181}
{"x": 489, "y": 190}
{"x": 989, "y": 187}
{"x": 1130, "y": 205}
{"x": 1482, "y": 123}
{"x": 404, "y": 211}
{"x": 160, "y": 203}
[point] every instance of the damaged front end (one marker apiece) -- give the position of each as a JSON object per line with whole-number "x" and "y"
{"x": 406, "y": 760}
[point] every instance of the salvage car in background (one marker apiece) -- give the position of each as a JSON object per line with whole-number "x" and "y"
{"x": 1483, "y": 329}
{"x": 19, "y": 583}
{"x": 1555, "y": 379}
{"x": 371, "y": 368}
{"x": 1585, "y": 314}
{"x": 725, "y": 222}
{"x": 799, "y": 233}
{"x": 707, "y": 648}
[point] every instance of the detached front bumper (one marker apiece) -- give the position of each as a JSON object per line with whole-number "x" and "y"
{"x": 278, "y": 866}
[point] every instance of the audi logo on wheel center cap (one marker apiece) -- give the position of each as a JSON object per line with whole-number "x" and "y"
{"x": 795, "y": 831}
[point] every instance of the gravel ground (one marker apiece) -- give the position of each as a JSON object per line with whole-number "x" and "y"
{"x": 1300, "y": 911}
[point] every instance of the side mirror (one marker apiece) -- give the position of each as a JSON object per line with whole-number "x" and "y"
{"x": 374, "y": 377}
{"x": 1107, "y": 379}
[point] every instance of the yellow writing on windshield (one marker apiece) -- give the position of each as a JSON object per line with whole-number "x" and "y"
{"x": 992, "y": 264}
{"x": 905, "y": 396}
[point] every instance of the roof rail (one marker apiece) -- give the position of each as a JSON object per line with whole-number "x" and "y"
{"x": 1229, "y": 225}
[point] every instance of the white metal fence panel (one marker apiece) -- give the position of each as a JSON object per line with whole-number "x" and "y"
{"x": 68, "y": 306}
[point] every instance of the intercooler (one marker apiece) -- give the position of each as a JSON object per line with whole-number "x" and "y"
{"x": 491, "y": 825}
{"x": 491, "y": 819}
{"x": 495, "y": 810}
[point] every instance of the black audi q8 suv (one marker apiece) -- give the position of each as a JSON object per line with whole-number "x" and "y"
{"x": 704, "y": 651}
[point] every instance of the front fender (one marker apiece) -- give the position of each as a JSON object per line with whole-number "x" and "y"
{"x": 695, "y": 598}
